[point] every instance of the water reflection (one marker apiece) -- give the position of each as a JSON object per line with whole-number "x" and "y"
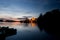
{"x": 25, "y": 31}
{"x": 16, "y": 23}
{"x": 9, "y": 23}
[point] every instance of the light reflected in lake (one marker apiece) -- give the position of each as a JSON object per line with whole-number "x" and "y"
{"x": 25, "y": 31}
{"x": 16, "y": 24}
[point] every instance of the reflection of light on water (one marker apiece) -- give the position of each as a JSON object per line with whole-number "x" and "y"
{"x": 13, "y": 24}
{"x": 33, "y": 24}
{"x": 16, "y": 23}
{"x": 9, "y": 23}
{"x": 24, "y": 30}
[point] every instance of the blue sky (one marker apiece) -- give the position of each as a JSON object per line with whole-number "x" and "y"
{"x": 19, "y": 8}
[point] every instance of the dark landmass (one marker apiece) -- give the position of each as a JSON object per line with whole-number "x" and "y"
{"x": 29, "y": 20}
{"x": 8, "y": 21}
{"x": 23, "y": 20}
{"x": 1, "y": 20}
{"x": 50, "y": 22}
{"x": 26, "y": 20}
{"x": 6, "y": 31}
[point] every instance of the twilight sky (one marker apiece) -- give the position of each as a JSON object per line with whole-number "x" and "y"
{"x": 19, "y": 8}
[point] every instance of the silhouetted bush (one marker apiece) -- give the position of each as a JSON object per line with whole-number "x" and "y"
{"x": 26, "y": 20}
{"x": 6, "y": 31}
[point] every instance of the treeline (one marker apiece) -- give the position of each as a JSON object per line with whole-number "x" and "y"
{"x": 51, "y": 18}
{"x": 50, "y": 22}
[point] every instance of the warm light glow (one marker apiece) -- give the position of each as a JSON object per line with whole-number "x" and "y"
{"x": 33, "y": 24}
{"x": 33, "y": 18}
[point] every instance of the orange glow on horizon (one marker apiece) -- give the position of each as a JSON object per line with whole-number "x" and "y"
{"x": 33, "y": 18}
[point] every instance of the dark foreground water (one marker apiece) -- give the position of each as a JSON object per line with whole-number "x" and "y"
{"x": 26, "y": 31}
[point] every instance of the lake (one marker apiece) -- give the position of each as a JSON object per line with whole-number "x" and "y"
{"x": 26, "y": 31}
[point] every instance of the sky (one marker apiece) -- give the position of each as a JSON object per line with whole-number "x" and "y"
{"x": 20, "y": 8}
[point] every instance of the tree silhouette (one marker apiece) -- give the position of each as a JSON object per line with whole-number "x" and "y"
{"x": 50, "y": 21}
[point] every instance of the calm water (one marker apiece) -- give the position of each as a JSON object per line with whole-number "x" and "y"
{"x": 26, "y": 31}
